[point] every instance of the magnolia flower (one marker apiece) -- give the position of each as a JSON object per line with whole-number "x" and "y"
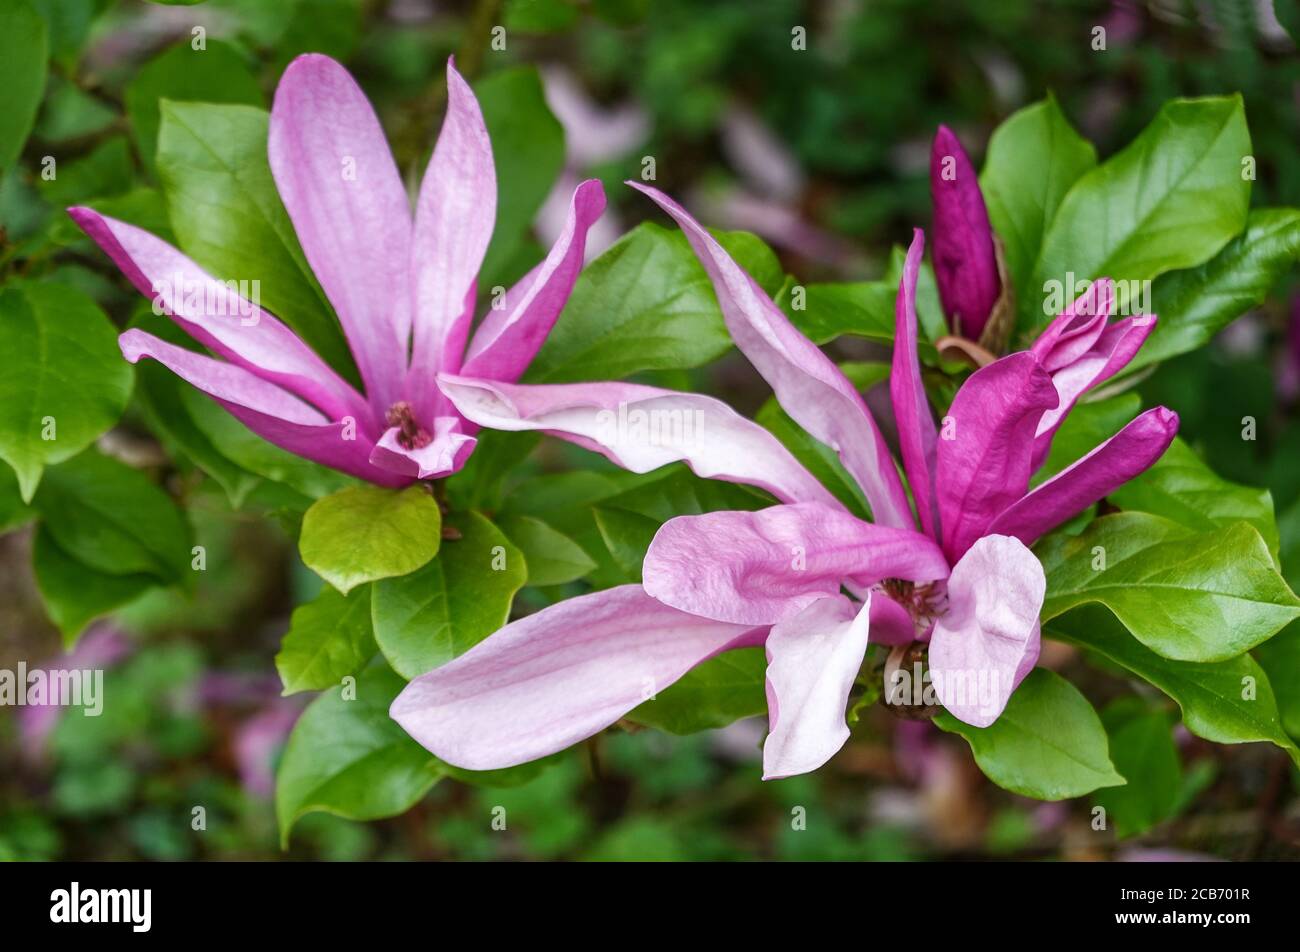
{"x": 403, "y": 286}
{"x": 965, "y": 262}
{"x": 964, "y": 580}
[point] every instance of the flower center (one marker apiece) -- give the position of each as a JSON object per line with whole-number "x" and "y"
{"x": 410, "y": 434}
{"x": 925, "y": 602}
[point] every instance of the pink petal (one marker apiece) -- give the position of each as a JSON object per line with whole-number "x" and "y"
{"x": 1125, "y": 455}
{"x": 1073, "y": 332}
{"x": 965, "y": 267}
{"x": 217, "y": 317}
{"x": 806, "y": 382}
{"x": 890, "y": 622}
{"x": 453, "y": 226}
{"x": 759, "y": 568}
{"x": 445, "y": 455}
{"x": 983, "y": 460}
{"x": 342, "y": 190}
{"x": 916, "y": 432}
{"x": 812, "y": 660}
{"x": 642, "y": 428}
{"x": 1111, "y": 353}
{"x": 272, "y": 413}
{"x": 988, "y": 641}
{"x": 559, "y": 676}
{"x": 507, "y": 340}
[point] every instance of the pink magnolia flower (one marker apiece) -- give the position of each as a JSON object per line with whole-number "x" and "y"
{"x": 964, "y": 580}
{"x": 965, "y": 264}
{"x": 403, "y": 286}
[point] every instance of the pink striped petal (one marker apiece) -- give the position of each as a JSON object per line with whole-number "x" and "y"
{"x": 557, "y": 677}
{"x": 916, "y": 432}
{"x": 642, "y": 428}
{"x": 453, "y": 227}
{"x": 445, "y": 454}
{"x": 759, "y": 568}
{"x": 806, "y": 382}
{"x": 985, "y": 446}
{"x": 965, "y": 267}
{"x": 1076, "y": 329}
{"x": 272, "y": 413}
{"x": 507, "y": 340}
{"x": 988, "y": 640}
{"x": 341, "y": 188}
{"x": 1127, "y": 454}
{"x": 812, "y": 660}
{"x": 216, "y": 316}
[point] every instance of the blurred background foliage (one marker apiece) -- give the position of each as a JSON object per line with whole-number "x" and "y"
{"x": 821, "y": 151}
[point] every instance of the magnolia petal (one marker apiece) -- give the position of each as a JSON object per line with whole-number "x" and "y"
{"x": 453, "y": 226}
{"x": 507, "y": 340}
{"x": 1127, "y": 454}
{"x": 557, "y": 677}
{"x": 916, "y": 432}
{"x": 965, "y": 264}
{"x": 763, "y": 567}
{"x": 983, "y": 460}
{"x": 812, "y": 660}
{"x": 1073, "y": 332}
{"x": 988, "y": 640}
{"x": 445, "y": 454}
{"x": 1111, "y": 353}
{"x": 890, "y": 622}
{"x": 642, "y": 428}
{"x": 272, "y": 413}
{"x": 806, "y": 382}
{"x": 341, "y": 188}
{"x": 220, "y": 319}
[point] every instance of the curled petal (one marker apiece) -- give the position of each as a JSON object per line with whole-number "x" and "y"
{"x": 806, "y": 382}
{"x": 549, "y": 680}
{"x": 1074, "y": 331}
{"x": 812, "y": 660}
{"x": 642, "y": 428}
{"x": 763, "y": 567}
{"x": 445, "y": 454}
{"x": 965, "y": 265}
{"x": 272, "y": 413}
{"x": 988, "y": 640}
{"x": 507, "y": 340}
{"x": 217, "y": 317}
{"x": 986, "y": 444}
{"x": 916, "y": 432}
{"x": 342, "y": 191}
{"x": 1127, "y": 454}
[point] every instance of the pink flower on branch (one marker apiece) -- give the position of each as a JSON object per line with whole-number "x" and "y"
{"x": 403, "y": 287}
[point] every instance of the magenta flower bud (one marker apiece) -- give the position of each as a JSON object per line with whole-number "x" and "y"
{"x": 965, "y": 265}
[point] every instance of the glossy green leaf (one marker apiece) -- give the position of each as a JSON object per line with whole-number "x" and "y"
{"x": 425, "y": 619}
{"x": 646, "y": 304}
{"x": 1188, "y": 596}
{"x": 627, "y": 535}
{"x": 106, "y": 171}
{"x": 1048, "y": 744}
{"x": 63, "y": 381}
{"x": 23, "y": 66}
{"x": 349, "y": 758}
{"x": 1171, "y": 199}
{"x": 1280, "y": 657}
{"x": 552, "y": 557}
{"x": 1142, "y": 748}
{"x": 722, "y": 690}
{"x": 75, "y": 594}
{"x": 328, "y": 639}
{"x": 364, "y": 533}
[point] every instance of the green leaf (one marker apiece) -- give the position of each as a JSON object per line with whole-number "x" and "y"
{"x": 1280, "y": 657}
{"x": 1195, "y": 304}
{"x": 23, "y": 67}
{"x": 1187, "y": 596}
{"x": 527, "y": 151}
{"x": 646, "y": 304}
{"x": 63, "y": 382}
{"x": 425, "y": 619}
{"x": 329, "y": 638}
{"x": 349, "y": 758}
{"x": 217, "y": 74}
{"x": 114, "y": 519}
{"x": 364, "y": 533}
{"x": 103, "y": 173}
{"x": 1048, "y": 744}
{"x": 75, "y": 594}
{"x": 722, "y": 690}
{"x": 1228, "y": 702}
{"x": 1181, "y": 487}
{"x": 552, "y": 557}
{"x": 13, "y": 511}
{"x": 1142, "y": 748}
{"x": 227, "y": 216}
{"x": 1033, "y": 159}
{"x": 627, "y": 535}
{"x": 1171, "y": 199}
{"x": 540, "y": 16}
